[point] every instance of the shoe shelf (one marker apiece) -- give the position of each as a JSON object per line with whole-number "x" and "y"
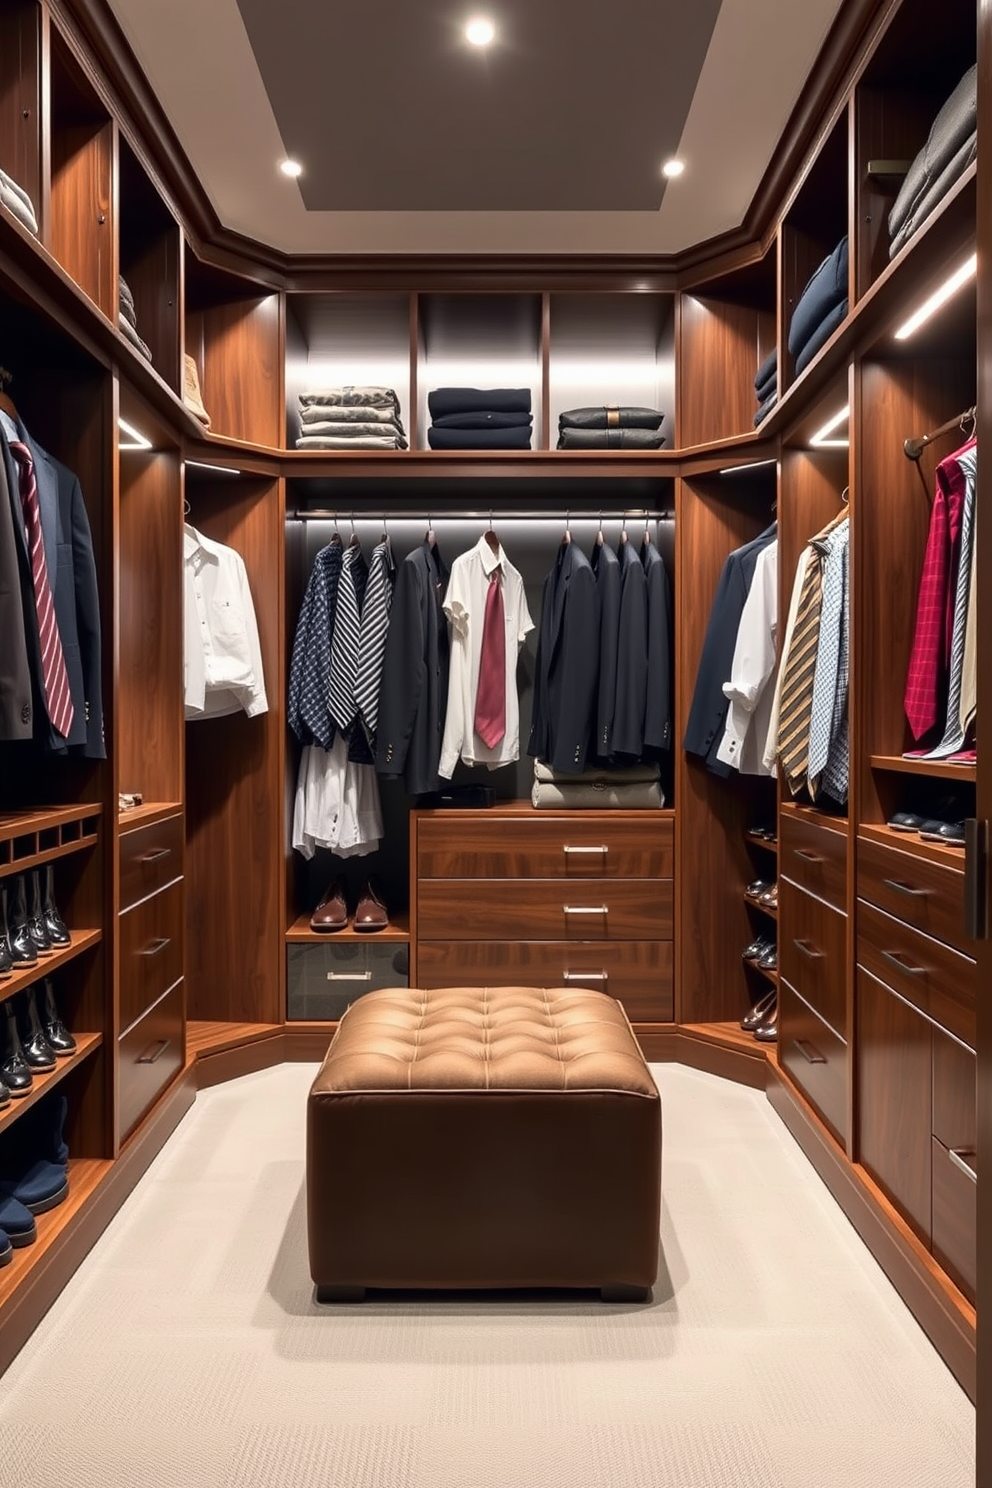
{"x": 908, "y": 842}
{"x": 30, "y": 838}
{"x": 397, "y": 931}
{"x": 43, "y": 1080}
{"x": 85, "y": 1177}
{"x": 45, "y": 965}
{"x": 762, "y": 842}
{"x": 764, "y": 909}
{"x": 939, "y": 769}
{"x": 769, "y": 976}
{"x": 147, "y": 814}
{"x": 837, "y": 820}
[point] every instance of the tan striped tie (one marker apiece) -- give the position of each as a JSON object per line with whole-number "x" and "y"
{"x": 797, "y": 683}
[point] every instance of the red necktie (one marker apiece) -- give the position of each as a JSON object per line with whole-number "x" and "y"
{"x": 57, "y": 695}
{"x": 490, "y": 700}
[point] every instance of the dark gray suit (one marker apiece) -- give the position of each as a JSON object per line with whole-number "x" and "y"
{"x": 606, "y": 567}
{"x": 632, "y": 655}
{"x": 71, "y": 566}
{"x": 658, "y": 708}
{"x": 413, "y": 695}
{"x": 16, "y": 709}
{"x": 565, "y": 674}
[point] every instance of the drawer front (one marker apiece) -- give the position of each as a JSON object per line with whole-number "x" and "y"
{"x": 928, "y": 895}
{"x": 955, "y": 1094}
{"x": 149, "y": 1055}
{"x": 812, "y": 953}
{"x": 815, "y": 1058}
{"x": 150, "y": 858}
{"x": 815, "y": 858}
{"x": 539, "y": 909}
{"x": 931, "y": 975}
{"x": 545, "y": 845}
{"x": 151, "y": 951}
{"x": 955, "y": 1204}
{"x": 637, "y": 973}
{"x": 323, "y": 979}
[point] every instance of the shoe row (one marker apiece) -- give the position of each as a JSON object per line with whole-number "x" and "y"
{"x": 930, "y": 829}
{"x": 763, "y": 953}
{"x": 331, "y": 913}
{"x": 33, "y": 1037}
{"x": 762, "y": 1019}
{"x": 767, "y": 834}
{"x": 30, "y": 923}
{"x": 763, "y": 893}
{"x": 34, "y": 1172}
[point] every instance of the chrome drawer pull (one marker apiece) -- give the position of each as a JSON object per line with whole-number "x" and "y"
{"x": 154, "y": 946}
{"x": 901, "y": 888}
{"x": 585, "y": 976}
{"x": 601, "y": 849}
{"x": 155, "y": 854}
{"x": 349, "y": 976}
{"x": 810, "y": 857}
{"x": 810, "y": 952}
{"x": 901, "y": 965}
{"x": 159, "y": 1049}
{"x": 810, "y": 1054}
{"x": 600, "y": 909}
{"x": 958, "y": 1158}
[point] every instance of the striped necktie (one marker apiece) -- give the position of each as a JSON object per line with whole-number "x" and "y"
{"x": 344, "y": 646}
{"x": 58, "y": 697}
{"x": 797, "y": 683}
{"x": 372, "y": 639}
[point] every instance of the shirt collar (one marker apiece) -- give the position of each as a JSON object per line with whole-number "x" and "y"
{"x": 195, "y": 542}
{"x": 490, "y": 560}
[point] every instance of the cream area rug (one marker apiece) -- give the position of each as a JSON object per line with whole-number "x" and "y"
{"x": 187, "y": 1351}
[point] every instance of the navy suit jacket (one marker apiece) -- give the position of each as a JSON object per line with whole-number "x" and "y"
{"x": 566, "y": 674}
{"x": 606, "y": 567}
{"x": 632, "y": 655}
{"x": 658, "y": 707}
{"x": 413, "y": 694}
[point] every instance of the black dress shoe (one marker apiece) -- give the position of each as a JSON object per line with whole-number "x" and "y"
{"x": 37, "y": 1050}
{"x": 4, "y": 1096}
{"x": 950, "y": 833}
{"x": 58, "y": 932}
{"x": 759, "y": 1013}
{"x": 37, "y": 928}
{"x": 56, "y": 1032}
{"x": 905, "y": 821}
{"x": 6, "y": 960}
{"x": 22, "y": 947}
{"x": 15, "y": 1072}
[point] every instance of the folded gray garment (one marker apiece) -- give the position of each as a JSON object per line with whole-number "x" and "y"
{"x": 603, "y": 792}
{"x": 361, "y": 413}
{"x": 611, "y": 416}
{"x": 483, "y": 421}
{"x": 135, "y": 340}
{"x": 610, "y": 439}
{"x": 365, "y": 442}
{"x": 955, "y": 123}
{"x": 352, "y": 397}
{"x": 932, "y": 198}
{"x": 345, "y": 430}
{"x": 18, "y": 203}
{"x": 126, "y": 299}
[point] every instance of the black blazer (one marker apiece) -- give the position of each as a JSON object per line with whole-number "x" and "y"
{"x": 413, "y": 695}
{"x": 16, "y": 706}
{"x": 632, "y": 655}
{"x": 566, "y": 673}
{"x": 606, "y": 567}
{"x": 72, "y": 574}
{"x": 658, "y": 706}
{"x": 708, "y": 714}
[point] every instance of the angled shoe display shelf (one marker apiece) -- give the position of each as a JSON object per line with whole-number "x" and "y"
{"x": 150, "y": 248}
{"x": 728, "y": 330}
{"x": 82, "y": 231}
{"x": 21, "y": 154}
{"x": 232, "y": 331}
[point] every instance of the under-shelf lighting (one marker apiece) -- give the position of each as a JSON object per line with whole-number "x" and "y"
{"x": 219, "y": 469}
{"x": 939, "y": 297}
{"x": 746, "y": 469}
{"x": 138, "y": 441}
{"x": 821, "y": 439}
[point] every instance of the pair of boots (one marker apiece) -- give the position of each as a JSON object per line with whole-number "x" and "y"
{"x": 34, "y": 1172}
{"x": 32, "y": 1037}
{"x": 33, "y": 927}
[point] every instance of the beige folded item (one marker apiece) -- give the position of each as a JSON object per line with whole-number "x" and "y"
{"x": 636, "y": 788}
{"x": 191, "y": 391}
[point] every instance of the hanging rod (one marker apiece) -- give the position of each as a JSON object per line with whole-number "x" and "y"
{"x": 913, "y": 448}
{"x": 396, "y": 514}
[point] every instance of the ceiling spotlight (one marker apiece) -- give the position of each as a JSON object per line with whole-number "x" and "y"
{"x": 673, "y": 168}
{"x": 291, "y": 168}
{"x": 480, "y": 31}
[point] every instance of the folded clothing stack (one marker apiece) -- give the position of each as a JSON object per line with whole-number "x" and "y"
{"x": 634, "y": 789}
{"x": 610, "y": 427}
{"x": 129, "y": 320}
{"x": 950, "y": 148}
{"x": 479, "y": 418}
{"x": 766, "y": 387}
{"x": 351, "y": 418}
{"x": 821, "y": 308}
{"x": 17, "y": 201}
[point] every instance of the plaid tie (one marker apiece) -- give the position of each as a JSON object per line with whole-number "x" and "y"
{"x": 58, "y": 698}
{"x": 797, "y": 683}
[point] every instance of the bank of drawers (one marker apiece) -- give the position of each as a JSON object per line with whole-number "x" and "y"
{"x": 151, "y": 1019}
{"x": 568, "y": 899}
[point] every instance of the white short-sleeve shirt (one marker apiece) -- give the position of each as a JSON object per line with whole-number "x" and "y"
{"x": 465, "y": 607}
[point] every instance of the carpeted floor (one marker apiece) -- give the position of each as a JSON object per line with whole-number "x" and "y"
{"x": 187, "y": 1351}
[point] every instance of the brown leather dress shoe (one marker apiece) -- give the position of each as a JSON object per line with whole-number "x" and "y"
{"x": 371, "y": 913}
{"x": 332, "y": 911}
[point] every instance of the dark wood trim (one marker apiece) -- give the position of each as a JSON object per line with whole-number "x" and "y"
{"x": 714, "y": 1056}
{"x": 214, "y": 1068}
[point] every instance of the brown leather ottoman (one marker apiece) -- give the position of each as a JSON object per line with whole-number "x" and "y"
{"x": 484, "y": 1137}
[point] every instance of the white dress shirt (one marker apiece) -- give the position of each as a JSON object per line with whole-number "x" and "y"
{"x": 750, "y": 695}
{"x": 337, "y": 803}
{"x": 223, "y": 659}
{"x": 465, "y": 607}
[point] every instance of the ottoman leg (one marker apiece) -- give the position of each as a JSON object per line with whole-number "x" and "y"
{"x": 623, "y": 1293}
{"x": 340, "y": 1294}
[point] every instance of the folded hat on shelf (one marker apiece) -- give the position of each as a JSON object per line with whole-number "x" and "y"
{"x": 611, "y": 416}
{"x": 610, "y": 439}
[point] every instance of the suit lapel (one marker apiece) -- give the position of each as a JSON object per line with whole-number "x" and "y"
{"x": 562, "y": 572}
{"x": 13, "y": 493}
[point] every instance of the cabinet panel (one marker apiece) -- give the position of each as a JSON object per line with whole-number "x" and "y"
{"x": 955, "y": 1091}
{"x": 637, "y": 973}
{"x": 815, "y": 1058}
{"x": 955, "y": 1203}
{"x": 538, "y": 909}
{"x": 544, "y": 846}
{"x": 150, "y": 858}
{"x": 934, "y": 977}
{"x": 912, "y": 888}
{"x": 815, "y": 858}
{"x": 813, "y": 953}
{"x": 151, "y": 951}
{"x": 894, "y": 1099}
{"x": 149, "y": 1055}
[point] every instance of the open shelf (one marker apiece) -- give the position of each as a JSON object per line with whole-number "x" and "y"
{"x": 832, "y": 819}
{"x": 147, "y": 814}
{"x": 85, "y": 1176}
{"x": 43, "y": 1081}
{"x": 82, "y": 181}
{"x": 908, "y": 842}
{"x": 398, "y": 930}
{"x": 939, "y": 769}
{"x": 762, "y": 842}
{"x": 45, "y": 965}
{"x": 20, "y": 97}
{"x": 771, "y": 914}
{"x": 208, "y": 1036}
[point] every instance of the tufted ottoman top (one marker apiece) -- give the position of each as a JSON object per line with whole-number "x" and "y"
{"x": 484, "y": 1038}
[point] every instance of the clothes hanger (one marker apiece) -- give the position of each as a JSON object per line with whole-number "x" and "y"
{"x": 354, "y": 543}
{"x": 845, "y": 495}
{"x": 490, "y": 535}
{"x": 567, "y": 535}
{"x": 429, "y": 537}
{"x": 623, "y": 529}
{"x": 599, "y": 535}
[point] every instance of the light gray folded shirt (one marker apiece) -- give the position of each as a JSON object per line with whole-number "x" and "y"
{"x": 332, "y": 442}
{"x": 315, "y": 413}
{"x": 935, "y": 193}
{"x": 17, "y": 201}
{"x": 351, "y": 430}
{"x": 351, "y": 397}
{"x": 954, "y": 125}
{"x": 129, "y": 331}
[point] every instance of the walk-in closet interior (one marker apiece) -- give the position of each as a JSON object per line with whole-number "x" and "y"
{"x": 807, "y": 423}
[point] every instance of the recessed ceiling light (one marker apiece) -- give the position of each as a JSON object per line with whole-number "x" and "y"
{"x": 291, "y": 168}
{"x": 480, "y": 31}
{"x": 673, "y": 168}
